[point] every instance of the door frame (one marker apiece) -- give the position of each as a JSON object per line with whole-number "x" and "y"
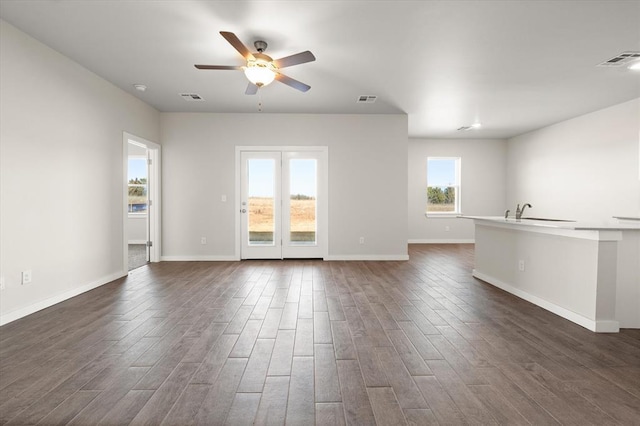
{"x": 154, "y": 214}
{"x": 323, "y": 190}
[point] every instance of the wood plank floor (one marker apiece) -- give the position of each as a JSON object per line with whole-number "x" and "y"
{"x": 310, "y": 342}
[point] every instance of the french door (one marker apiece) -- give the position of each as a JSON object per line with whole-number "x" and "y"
{"x": 283, "y": 204}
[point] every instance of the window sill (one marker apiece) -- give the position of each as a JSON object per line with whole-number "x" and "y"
{"x": 137, "y": 215}
{"x": 442, "y": 215}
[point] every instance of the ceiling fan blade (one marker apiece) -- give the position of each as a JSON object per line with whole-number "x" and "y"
{"x": 298, "y": 58}
{"x": 252, "y": 89}
{"x": 218, "y": 67}
{"x": 238, "y": 45}
{"x": 292, "y": 82}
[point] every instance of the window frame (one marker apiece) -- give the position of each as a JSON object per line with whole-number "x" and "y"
{"x": 457, "y": 187}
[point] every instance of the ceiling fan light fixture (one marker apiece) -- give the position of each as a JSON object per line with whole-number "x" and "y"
{"x": 634, "y": 66}
{"x": 260, "y": 72}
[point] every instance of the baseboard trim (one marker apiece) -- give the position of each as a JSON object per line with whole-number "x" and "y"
{"x": 365, "y": 257}
{"x": 605, "y": 326}
{"x": 442, "y": 241}
{"x": 53, "y": 300}
{"x": 199, "y": 259}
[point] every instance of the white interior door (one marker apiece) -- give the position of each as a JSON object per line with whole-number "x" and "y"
{"x": 134, "y": 230}
{"x": 283, "y": 204}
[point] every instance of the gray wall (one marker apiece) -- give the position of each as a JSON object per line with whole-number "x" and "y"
{"x": 61, "y": 183}
{"x": 586, "y": 168}
{"x": 483, "y": 186}
{"x": 367, "y": 179}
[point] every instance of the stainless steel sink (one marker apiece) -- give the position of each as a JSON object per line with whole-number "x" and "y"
{"x": 547, "y": 219}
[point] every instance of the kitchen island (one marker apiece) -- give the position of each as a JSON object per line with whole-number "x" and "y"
{"x": 588, "y": 273}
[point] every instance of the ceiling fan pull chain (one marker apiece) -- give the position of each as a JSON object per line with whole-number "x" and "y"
{"x": 259, "y": 101}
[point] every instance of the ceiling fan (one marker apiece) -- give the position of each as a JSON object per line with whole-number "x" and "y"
{"x": 261, "y": 69}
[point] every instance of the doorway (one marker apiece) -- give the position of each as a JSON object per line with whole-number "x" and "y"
{"x": 141, "y": 231}
{"x": 283, "y": 203}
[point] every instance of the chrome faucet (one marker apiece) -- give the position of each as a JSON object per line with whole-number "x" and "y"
{"x": 506, "y": 214}
{"x": 519, "y": 211}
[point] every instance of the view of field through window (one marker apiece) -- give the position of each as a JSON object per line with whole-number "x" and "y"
{"x": 442, "y": 184}
{"x": 302, "y": 190}
{"x": 441, "y": 199}
{"x": 137, "y": 185}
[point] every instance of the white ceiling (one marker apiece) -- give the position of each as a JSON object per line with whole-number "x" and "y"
{"x": 514, "y": 65}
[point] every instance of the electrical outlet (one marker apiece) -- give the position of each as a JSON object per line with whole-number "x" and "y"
{"x": 361, "y": 240}
{"x": 203, "y": 240}
{"x": 447, "y": 228}
{"x": 26, "y": 276}
{"x": 521, "y": 265}
{"x": 223, "y": 198}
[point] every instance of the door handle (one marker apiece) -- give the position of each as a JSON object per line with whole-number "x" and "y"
{"x": 243, "y": 211}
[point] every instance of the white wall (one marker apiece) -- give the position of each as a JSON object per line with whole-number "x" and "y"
{"x": 61, "y": 184}
{"x": 581, "y": 287}
{"x": 367, "y": 179}
{"x": 628, "y": 280}
{"x": 483, "y": 186}
{"x": 585, "y": 168}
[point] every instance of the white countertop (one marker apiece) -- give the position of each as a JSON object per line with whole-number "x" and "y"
{"x": 627, "y": 217}
{"x": 612, "y": 225}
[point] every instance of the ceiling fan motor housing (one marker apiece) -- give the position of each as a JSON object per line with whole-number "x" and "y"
{"x": 260, "y": 45}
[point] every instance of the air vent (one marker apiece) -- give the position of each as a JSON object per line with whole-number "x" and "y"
{"x": 367, "y": 99}
{"x": 621, "y": 60}
{"x": 191, "y": 97}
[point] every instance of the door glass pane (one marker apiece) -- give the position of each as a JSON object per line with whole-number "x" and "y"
{"x": 261, "y": 184}
{"x": 303, "y": 191}
{"x": 137, "y": 182}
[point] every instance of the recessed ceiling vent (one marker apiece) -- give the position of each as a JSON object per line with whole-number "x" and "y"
{"x": 367, "y": 99}
{"x": 621, "y": 60}
{"x": 191, "y": 97}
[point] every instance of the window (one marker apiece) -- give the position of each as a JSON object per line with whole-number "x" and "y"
{"x": 443, "y": 185}
{"x": 137, "y": 182}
